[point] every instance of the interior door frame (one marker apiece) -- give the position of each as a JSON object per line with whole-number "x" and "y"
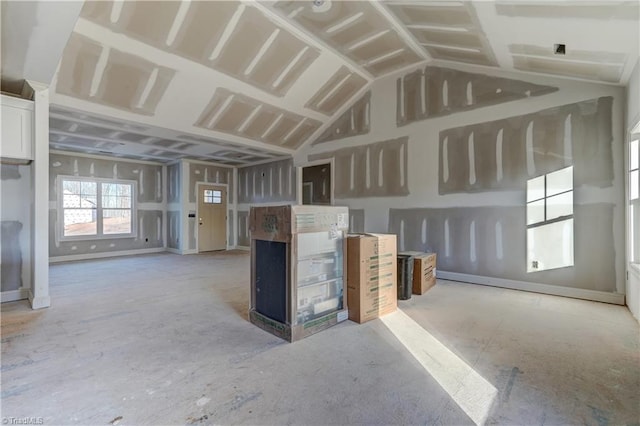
{"x": 331, "y": 161}
{"x": 226, "y": 210}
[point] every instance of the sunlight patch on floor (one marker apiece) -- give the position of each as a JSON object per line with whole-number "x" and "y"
{"x": 473, "y": 394}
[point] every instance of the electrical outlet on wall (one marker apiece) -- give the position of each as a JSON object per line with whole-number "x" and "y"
{"x": 534, "y": 264}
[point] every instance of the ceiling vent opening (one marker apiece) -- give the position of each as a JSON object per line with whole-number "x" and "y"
{"x": 559, "y": 49}
{"x": 321, "y": 6}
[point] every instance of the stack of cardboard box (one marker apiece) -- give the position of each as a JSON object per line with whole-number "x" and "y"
{"x": 371, "y": 275}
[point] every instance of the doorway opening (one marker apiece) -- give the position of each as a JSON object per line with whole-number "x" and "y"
{"x": 212, "y": 217}
{"x": 317, "y": 184}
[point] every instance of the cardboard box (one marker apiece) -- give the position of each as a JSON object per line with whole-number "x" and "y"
{"x": 281, "y": 223}
{"x": 371, "y": 275}
{"x": 298, "y": 261}
{"x": 424, "y": 271}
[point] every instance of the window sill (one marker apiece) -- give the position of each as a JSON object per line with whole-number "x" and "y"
{"x": 97, "y": 237}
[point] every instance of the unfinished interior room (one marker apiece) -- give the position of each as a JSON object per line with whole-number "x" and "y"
{"x": 320, "y": 212}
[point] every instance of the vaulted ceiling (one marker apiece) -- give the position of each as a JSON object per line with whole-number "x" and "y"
{"x": 239, "y": 82}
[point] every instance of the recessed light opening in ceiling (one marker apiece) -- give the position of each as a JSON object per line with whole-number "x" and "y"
{"x": 320, "y": 6}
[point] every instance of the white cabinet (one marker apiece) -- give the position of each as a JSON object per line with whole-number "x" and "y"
{"x": 16, "y": 122}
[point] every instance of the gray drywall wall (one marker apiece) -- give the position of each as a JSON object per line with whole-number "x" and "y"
{"x": 354, "y": 121}
{"x": 149, "y": 228}
{"x": 243, "y": 229}
{"x": 16, "y": 197}
{"x": 173, "y": 229}
{"x": 374, "y": 170}
{"x": 231, "y": 237}
{"x": 580, "y": 124}
{"x": 500, "y": 243}
{"x": 173, "y": 183}
{"x": 149, "y": 203}
{"x": 267, "y": 183}
{"x": 11, "y": 257}
{"x": 356, "y": 220}
{"x": 436, "y": 91}
{"x": 210, "y": 174}
{"x": 503, "y": 154}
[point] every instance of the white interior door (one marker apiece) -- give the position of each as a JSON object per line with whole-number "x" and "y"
{"x": 212, "y": 217}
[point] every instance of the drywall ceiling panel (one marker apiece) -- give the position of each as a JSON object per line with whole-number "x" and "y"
{"x": 610, "y": 73}
{"x": 260, "y": 123}
{"x": 33, "y": 35}
{"x": 448, "y": 32}
{"x": 100, "y": 74}
{"x": 354, "y": 28}
{"x": 214, "y": 33}
{"x": 94, "y": 119}
{"x": 453, "y": 14}
{"x": 595, "y": 65}
{"x": 570, "y": 54}
{"x": 455, "y": 39}
{"x": 562, "y": 10}
{"x": 77, "y": 67}
{"x": 71, "y": 130}
{"x": 234, "y": 115}
{"x": 469, "y": 57}
{"x": 237, "y": 114}
{"x": 354, "y": 121}
{"x": 338, "y": 89}
{"x": 389, "y": 62}
{"x": 147, "y": 20}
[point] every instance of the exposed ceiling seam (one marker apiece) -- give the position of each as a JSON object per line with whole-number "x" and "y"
{"x": 310, "y": 39}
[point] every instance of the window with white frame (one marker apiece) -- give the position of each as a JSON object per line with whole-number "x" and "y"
{"x": 211, "y": 196}
{"x": 634, "y": 200}
{"x": 96, "y": 208}
{"x": 550, "y": 221}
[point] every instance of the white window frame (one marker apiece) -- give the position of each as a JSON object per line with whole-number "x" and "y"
{"x": 99, "y": 235}
{"x": 546, "y": 221}
{"x": 632, "y": 204}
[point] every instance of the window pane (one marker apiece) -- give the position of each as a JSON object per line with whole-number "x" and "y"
{"x": 116, "y": 221}
{"x": 88, "y": 202}
{"x": 80, "y": 222}
{"x": 560, "y": 181}
{"x": 535, "y": 212}
{"x": 217, "y": 193}
{"x": 560, "y": 205}
{"x": 71, "y": 187}
{"x": 634, "y": 155}
{"x": 109, "y": 189}
{"x": 217, "y": 200}
{"x": 550, "y": 246}
{"x": 88, "y": 188}
{"x": 633, "y": 185}
{"x": 535, "y": 188}
{"x": 208, "y": 193}
{"x": 70, "y": 200}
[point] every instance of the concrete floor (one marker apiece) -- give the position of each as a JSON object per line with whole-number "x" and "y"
{"x": 164, "y": 339}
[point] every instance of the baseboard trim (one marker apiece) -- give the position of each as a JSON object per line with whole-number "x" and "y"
{"x": 88, "y": 256}
{"x": 39, "y": 302}
{"x": 13, "y": 295}
{"x": 174, "y": 250}
{"x": 576, "y": 293}
{"x": 243, "y": 248}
